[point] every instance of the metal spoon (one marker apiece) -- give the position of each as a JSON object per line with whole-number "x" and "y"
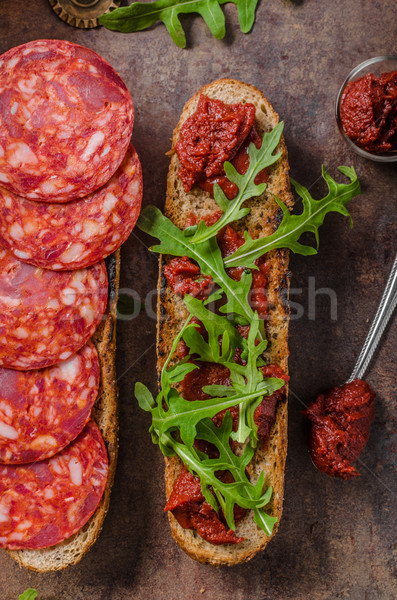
{"x": 385, "y": 310}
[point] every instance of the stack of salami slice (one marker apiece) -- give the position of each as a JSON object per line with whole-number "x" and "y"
{"x": 70, "y": 194}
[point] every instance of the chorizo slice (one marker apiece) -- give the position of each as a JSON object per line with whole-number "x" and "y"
{"x": 43, "y": 410}
{"x": 47, "y": 316}
{"x": 44, "y": 503}
{"x": 77, "y": 234}
{"x": 66, "y": 119}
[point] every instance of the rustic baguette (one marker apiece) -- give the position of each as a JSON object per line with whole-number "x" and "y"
{"x": 263, "y": 219}
{"x": 72, "y": 550}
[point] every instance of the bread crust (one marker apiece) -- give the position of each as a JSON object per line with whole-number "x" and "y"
{"x": 264, "y": 217}
{"x": 105, "y": 414}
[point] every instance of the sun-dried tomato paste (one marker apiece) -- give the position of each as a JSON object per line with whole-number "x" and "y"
{"x": 215, "y": 133}
{"x": 340, "y": 425}
{"x": 192, "y": 511}
{"x": 240, "y": 163}
{"x": 369, "y": 112}
{"x": 184, "y": 277}
{"x": 211, "y": 136}
{"x": 265, "y": 413}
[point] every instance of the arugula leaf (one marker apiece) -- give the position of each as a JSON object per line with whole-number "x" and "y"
{"x": 207, "y": 254}
{"x": 145, "y": 397}
{"x": 216, "y": 324}
{"x": 242, "y": 492}
{"x": 253, "y": 380}
{"x": 219, "y": 390}
{"x": 141, "y": 15}
{"x": 209, "y": 351}
{"x": 246, "y": 13}
{"x": 29, "y": 594}
{"x": 293, "y": 226}
{"x": 171, "y": 412}
{"x": 209, "y": 432}
{"x": 184, "y": 415}
{"x": 192, "y": 420}
{"x": 165, "y": 382}
{"x": 248, "y": 384}
{"x": 259, "y": 159}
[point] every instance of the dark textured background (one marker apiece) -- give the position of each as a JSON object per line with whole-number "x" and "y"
{"x": 335, "y": 539}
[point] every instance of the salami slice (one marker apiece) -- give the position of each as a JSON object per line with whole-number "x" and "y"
{"x": 66, "y": 120}
{"x": 79, "y": 233}
{"x": 44, "y": 503}
{"x": 46, "y": 316}
{"x": 42, "y": 411}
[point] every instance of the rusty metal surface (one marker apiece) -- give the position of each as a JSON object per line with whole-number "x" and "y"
{"x": 335, "y": 539}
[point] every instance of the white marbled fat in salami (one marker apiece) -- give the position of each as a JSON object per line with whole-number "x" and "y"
{"x": 44, "y": 503}
{"x": 66, "y": 119}
{"x": 79, "y": 233}
{"x": 46, "y": 316}
{"x": 43, "y": 410}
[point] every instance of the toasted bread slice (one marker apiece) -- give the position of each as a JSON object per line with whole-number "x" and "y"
{"x": 70, "y": 551}
{"x": 262, "y": 220}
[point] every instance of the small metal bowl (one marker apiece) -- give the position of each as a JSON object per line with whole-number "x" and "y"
{"x": 377, "y": 65}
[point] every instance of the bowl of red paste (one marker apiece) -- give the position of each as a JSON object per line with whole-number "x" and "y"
{"x": 366, "y": 109}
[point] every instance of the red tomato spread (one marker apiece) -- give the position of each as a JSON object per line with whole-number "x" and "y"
{"x": 209, "y": 219}
{"x": 265, "y": 413}
{"x": 369, "y": 112}
{"x": 215, "y": 133}
{"x": 340, "y": 425}
{"x": 184, "y": 277}
{"x": 192, "y": 511}
{"x": 240, "y": 163}
{"x": 229, "y": 241}
{"x": 211, "y": 136}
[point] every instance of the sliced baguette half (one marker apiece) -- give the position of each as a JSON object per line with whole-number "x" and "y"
{"x": 263, "y": 219}
{"x": 72, "y": 550}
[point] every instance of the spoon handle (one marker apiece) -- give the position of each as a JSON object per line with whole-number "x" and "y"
{"x": 383, "y": 314}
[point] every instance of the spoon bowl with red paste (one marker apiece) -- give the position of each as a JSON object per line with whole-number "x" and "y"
{"x": 366, "y": 109}
{"x": 340, "y": 419}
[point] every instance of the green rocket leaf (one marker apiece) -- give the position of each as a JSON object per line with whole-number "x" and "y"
{"x": 141, "y": 15}
{"x": 216, "y": 324}
{"x": 184, "y": 415}
{"x": 29, "y": 594}
{"x": 207, "y": 254}
{"x": 246, "y": 13}
{"x": 293, "y": 226}
{"x": 248, "y": 384}
{"x": 217, "y": 493}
